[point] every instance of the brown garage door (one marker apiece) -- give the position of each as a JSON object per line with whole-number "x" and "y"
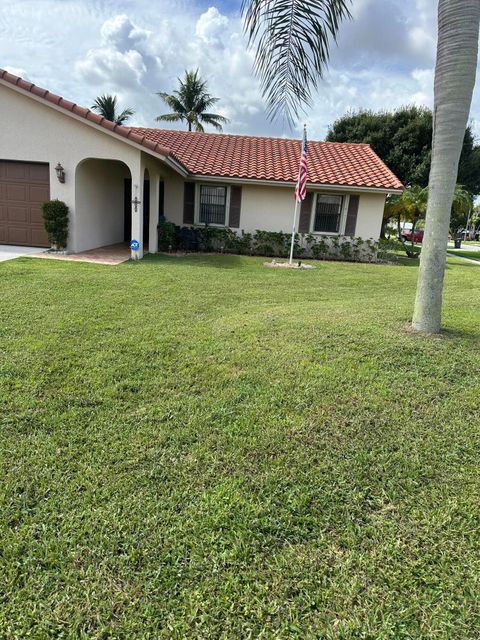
{"x": 24, "y": 187}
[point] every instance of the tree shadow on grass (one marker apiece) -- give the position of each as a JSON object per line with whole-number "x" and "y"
{"x": 471, "y": 335}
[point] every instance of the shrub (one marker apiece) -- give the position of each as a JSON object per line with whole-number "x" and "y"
{"x": 242, "y": 243}
{"x": 319, "y": 249}
{"x": 276, "y": 244}
{"x": 357, "y": 244}
{"x": 55, "y": 218}
{"x": 167, "y": 236}
{"x": 346, "y": 250}
{"x": 215, "y": 238}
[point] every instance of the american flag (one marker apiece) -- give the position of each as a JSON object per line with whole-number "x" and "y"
{"x": 301, "y": 187}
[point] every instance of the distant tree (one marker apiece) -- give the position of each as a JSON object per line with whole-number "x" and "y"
{"x": 403, "y": 140}
{"x": 190, "y": 103}
{"x": 106, "y": 106}
{"x": 411, "y": 206}
{"x": 462, "y": 207}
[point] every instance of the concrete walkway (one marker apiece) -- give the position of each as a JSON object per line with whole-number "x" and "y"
{"x": 112, "y": 254}
{"x": 452, "y": 255}
{"x": 11, "y": 251}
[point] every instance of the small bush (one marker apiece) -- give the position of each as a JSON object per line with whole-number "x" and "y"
{"x": 346, "y": 250}
{"x": 55, "y": 218}
{"x": 167, "y": 236}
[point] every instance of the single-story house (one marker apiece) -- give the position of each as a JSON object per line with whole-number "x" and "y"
{"x": 118, "y": 180}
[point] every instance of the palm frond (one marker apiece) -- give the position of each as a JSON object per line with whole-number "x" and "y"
{"x": 173, "y": 102}
{"x": 214, "y": 119}
{"x": 170, "y": 117}
{"x": 292, "y": 42}
{"x": 124, "y": 116}
{"x": 106, "y": 106}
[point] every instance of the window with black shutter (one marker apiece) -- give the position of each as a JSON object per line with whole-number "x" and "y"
{"x": 213, "y": 205}
{"x": 328, "y": 214}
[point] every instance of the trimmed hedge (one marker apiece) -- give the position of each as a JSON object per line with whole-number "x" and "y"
{"x": 266, "y": 243}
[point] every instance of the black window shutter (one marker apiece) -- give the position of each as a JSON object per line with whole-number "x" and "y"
{"x": 352, "y": 216}
{"x": 189, "y": 203}
{"x": 235, "y": 207}
{"x": 305, "y": 213}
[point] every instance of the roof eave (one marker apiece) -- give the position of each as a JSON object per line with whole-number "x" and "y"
{"x": 291, "y": 184}
{"x": 86, "y": 116}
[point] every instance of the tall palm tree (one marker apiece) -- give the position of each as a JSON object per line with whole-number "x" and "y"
{"x": 190, "y": 103}
{"x": 457, "y": 52}
{"x": 292, "y": 49}
{"x": 106, "y": 106}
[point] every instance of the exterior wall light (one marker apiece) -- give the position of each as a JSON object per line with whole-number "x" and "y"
{"x": 60, "y": 171}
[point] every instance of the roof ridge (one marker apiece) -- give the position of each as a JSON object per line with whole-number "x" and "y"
{"x": 249, "y": 136}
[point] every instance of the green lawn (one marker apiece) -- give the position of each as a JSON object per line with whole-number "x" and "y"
{"x": 471, "y": 255}
{"x": 203, "y": 448}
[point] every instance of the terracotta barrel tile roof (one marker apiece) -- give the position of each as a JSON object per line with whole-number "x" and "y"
{"x": 247, "y": 157}
{"x": 233, "y": 156}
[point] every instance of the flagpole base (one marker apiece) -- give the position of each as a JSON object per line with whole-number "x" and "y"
{"x": 288, "y": 265}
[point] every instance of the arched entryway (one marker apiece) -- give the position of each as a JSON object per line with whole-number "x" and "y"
{"x": 100, "y": 206}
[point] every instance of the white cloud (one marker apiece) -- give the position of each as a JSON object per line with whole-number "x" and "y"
{"x": 79, "y": 49}
{"x": 120, "y": 33}
{"x": 112, "y": 68}
{"x": 211, "y": 26}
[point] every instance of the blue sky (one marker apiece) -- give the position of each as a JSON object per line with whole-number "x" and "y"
{"x": 134, "y": 48}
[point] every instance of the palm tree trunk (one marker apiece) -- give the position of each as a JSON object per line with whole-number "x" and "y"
{"x": 457, "y": 50}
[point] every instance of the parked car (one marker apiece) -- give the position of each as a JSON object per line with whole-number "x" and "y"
{"x": 417, "y": 235}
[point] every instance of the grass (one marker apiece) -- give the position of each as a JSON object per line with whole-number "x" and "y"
{"x": 471, "y": 255}
{"x": 202, "y": 448}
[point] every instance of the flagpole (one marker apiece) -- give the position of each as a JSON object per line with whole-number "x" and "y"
{"x": 294, "y": 230}
{"x": 298, "y": 196}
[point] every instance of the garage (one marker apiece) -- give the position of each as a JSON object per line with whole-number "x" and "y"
{"x": 24, "y": 187}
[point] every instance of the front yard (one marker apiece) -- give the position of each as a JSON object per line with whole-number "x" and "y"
{"x": 471, "y": 255}
{"x": 203, "y": 448}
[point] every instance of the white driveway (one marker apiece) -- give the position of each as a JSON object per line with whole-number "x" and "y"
{"x": 10, "y": 251}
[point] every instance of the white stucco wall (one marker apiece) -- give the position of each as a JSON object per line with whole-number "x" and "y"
{"x": 173, "y": 201}
{"x": 271, "y": 209}
{"x": 266, "y": 208}
{"x": 370, "y": 214}
{"x": 39, "y": 133}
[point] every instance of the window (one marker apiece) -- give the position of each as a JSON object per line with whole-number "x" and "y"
{"x": 213, "y": 205}
{"x": 328, "y": 214}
